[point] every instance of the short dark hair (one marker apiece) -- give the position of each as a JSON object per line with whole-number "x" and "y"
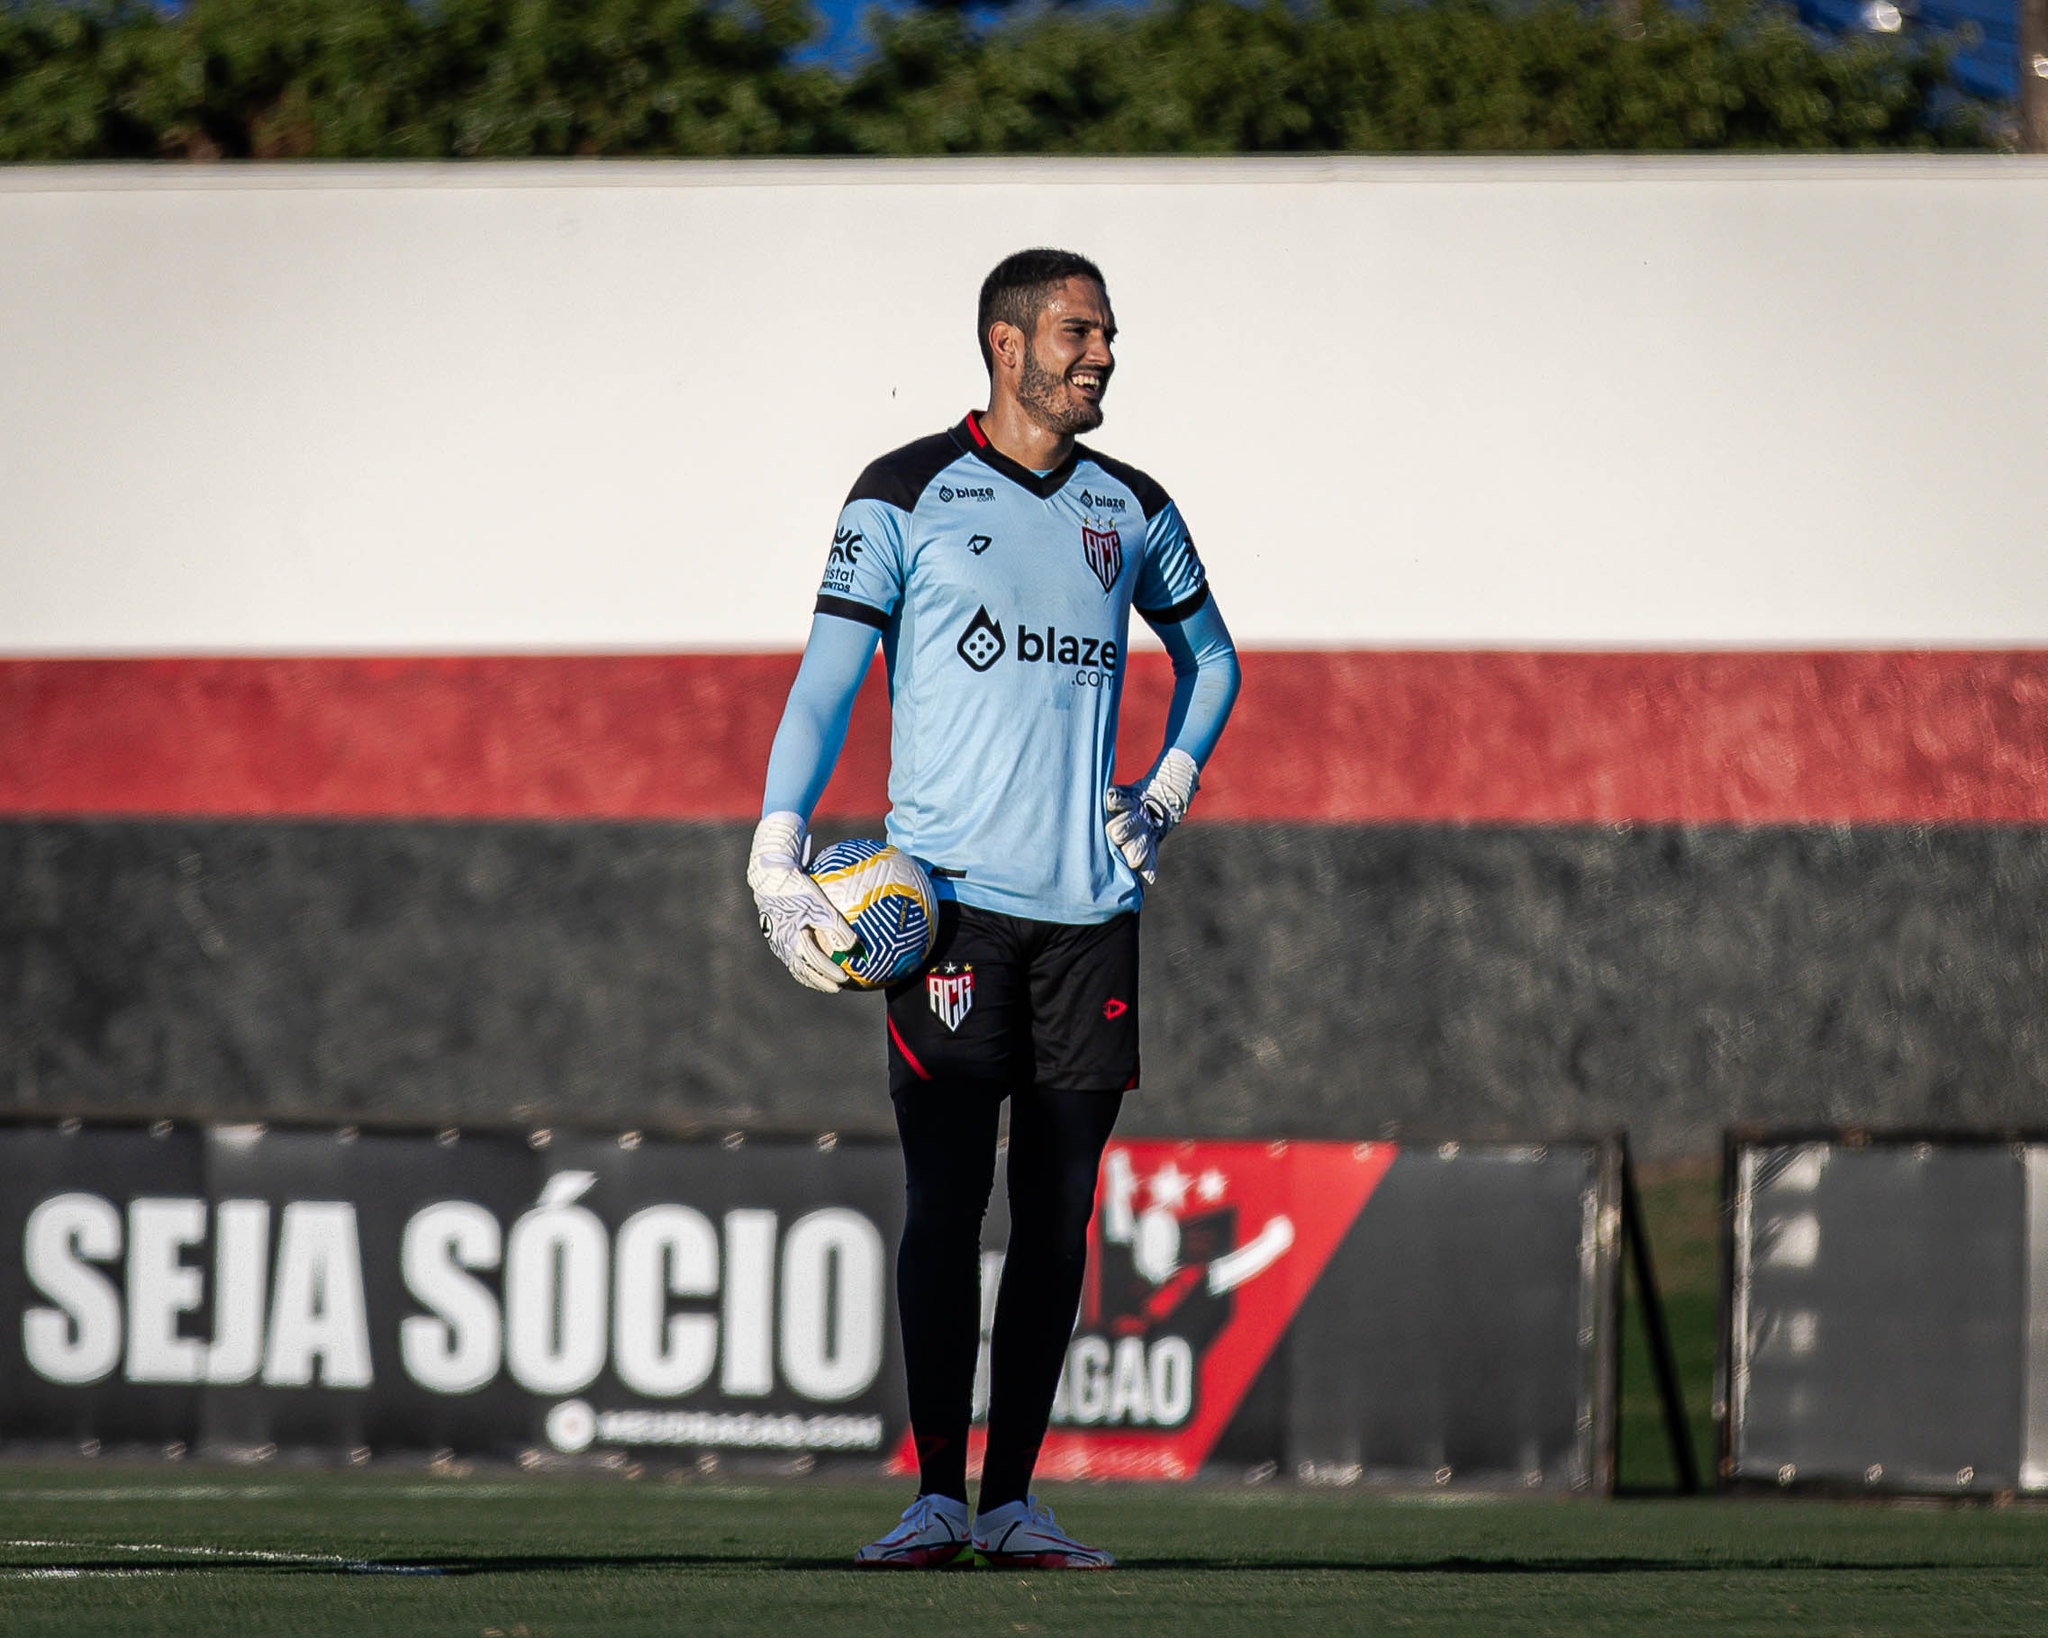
{"x": 1019, "y": 287}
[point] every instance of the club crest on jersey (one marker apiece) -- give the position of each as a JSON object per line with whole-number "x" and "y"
{"x": 1104, "y": 549}
{"x": 951, "y": 993}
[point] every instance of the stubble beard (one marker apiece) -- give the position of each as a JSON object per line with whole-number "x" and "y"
{"x": 1046, "y": 400}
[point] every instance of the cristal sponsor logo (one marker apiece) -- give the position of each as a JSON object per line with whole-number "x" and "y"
{"x": 1101, "y": 503}
{"x": 947, "y": 493}
{"x": 1094, "y": 659}
{"x": 840, "y": 561}
{"x": 180, "y": 1289}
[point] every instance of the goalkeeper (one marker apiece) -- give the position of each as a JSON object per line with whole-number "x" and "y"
{"x": 998, "y": 563}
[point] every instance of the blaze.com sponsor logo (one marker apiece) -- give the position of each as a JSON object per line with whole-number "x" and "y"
{"x": 983, "y": 643}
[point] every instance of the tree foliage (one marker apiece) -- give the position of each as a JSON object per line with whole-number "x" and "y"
{"x": 389, "y": 79}
{"x": 419, "y": 79}
{"x": 1215, "y": 76}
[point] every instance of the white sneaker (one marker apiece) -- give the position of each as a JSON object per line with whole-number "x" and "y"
{"x": 933, "y": 1533}
{"x": 1022, "y": 1536}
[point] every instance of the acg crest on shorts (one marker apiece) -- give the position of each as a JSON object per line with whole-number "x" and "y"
{"x": 951, "y": 991}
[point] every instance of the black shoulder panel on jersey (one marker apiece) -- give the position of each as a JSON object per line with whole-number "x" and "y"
{"x": 900, "y": 476}
{"x": 1180, "y": 611}
{"x": 1150, "y": 496}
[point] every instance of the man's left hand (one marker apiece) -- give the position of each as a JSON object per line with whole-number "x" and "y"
{"x": 1140, "y": 815}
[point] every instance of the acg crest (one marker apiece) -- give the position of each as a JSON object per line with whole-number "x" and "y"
{"x": 1104, "y": 550}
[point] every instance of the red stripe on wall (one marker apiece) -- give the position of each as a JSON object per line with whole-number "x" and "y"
{"x": 539, "y": 737}
{"x": 1354, "y": 737}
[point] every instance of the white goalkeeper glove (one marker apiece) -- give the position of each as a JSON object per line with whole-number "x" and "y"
{"x": 1140, "y": 815}
{"x": 799, "y": 922}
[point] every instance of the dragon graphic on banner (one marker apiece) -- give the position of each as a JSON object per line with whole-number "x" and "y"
{"x": 1199, "y": 1258}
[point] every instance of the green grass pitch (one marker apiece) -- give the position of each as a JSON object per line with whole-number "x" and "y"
{"x": 202, "y": 1553}
{"x": 94, "y": 1549}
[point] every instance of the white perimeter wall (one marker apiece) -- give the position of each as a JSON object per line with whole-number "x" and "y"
{"x": 1495, "y": 403}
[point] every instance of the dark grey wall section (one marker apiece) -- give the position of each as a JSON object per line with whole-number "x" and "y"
{"x": 1399, "y": 981}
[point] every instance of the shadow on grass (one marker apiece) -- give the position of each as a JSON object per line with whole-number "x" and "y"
{"x": 576, "y": 1563}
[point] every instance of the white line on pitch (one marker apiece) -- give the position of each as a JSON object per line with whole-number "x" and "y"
{"x": 247, "y": 1555}
{"x": 75, "y": 1575}
{"x": 153, "y": 1492}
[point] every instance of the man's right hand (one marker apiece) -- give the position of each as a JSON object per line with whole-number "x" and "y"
{"x": 799, "y": 922}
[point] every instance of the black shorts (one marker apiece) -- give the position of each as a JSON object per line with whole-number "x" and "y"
{"x": 1013, "y": 1002}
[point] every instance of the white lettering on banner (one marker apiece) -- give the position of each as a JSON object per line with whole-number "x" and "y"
{"x": 1138, "y": 1384}
{"x": 319, "y": 1323}
{"x": 1173, "y": 1381}
{"x": 1088, "y": 1366}
{"x": 556, "y": 1273}
{"x": 241, "y": 1277}
{"x": 831, "y": 1318}
{"x": 744, "y": 1429}
{"x": 663, "y": 1252}
{"x": 161, "y": 1286}
{"x": 79, "y": 1340}
{"x": 749, "y": 1303}
{"x": 457, "y": 1346}
{"x": 1128, "y": 1400}
{"x": 677, "y": 1302}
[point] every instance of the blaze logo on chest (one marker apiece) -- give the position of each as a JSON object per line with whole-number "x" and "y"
{"x": 1104, "y": 550}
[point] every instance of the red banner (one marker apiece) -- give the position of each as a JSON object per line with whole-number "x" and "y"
{"x": 1199, "y": 1256}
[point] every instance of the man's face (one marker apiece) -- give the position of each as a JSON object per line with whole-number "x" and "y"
{"x": 1067, "y": 362}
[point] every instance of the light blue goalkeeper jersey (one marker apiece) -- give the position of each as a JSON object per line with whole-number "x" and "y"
{"x": 1004, "y": 601}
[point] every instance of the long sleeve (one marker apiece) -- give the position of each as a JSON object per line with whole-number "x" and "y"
{"x": 814, "y": 721}
{"x": 1206, "y": 678}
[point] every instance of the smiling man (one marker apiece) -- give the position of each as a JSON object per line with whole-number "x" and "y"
{"x": 998, "y": 564}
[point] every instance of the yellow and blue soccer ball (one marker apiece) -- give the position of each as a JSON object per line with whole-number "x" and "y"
{"x": 887, "y": 897}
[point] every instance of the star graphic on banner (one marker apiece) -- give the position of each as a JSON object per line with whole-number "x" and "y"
{"x": 1209, "y": 1186}
{"x": 1170, "y": 1187}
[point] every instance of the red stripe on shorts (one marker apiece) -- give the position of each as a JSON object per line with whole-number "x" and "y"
{"x": 909, "y": 1057}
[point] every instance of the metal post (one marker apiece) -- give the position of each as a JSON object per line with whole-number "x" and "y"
{"x": 1661, "y": 1358}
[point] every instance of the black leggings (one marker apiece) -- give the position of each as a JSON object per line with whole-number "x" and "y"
{"x": 949, "y": 1157}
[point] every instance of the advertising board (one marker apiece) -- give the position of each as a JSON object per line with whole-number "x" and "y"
{"x": 1334, "y": 1312}
{"x": 1884, "y": 1312}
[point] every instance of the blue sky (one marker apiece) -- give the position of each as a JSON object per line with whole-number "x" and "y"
{"x": 844, "y": 34}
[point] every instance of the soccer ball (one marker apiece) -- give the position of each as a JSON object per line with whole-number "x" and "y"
{"x": 889, "y": 900}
